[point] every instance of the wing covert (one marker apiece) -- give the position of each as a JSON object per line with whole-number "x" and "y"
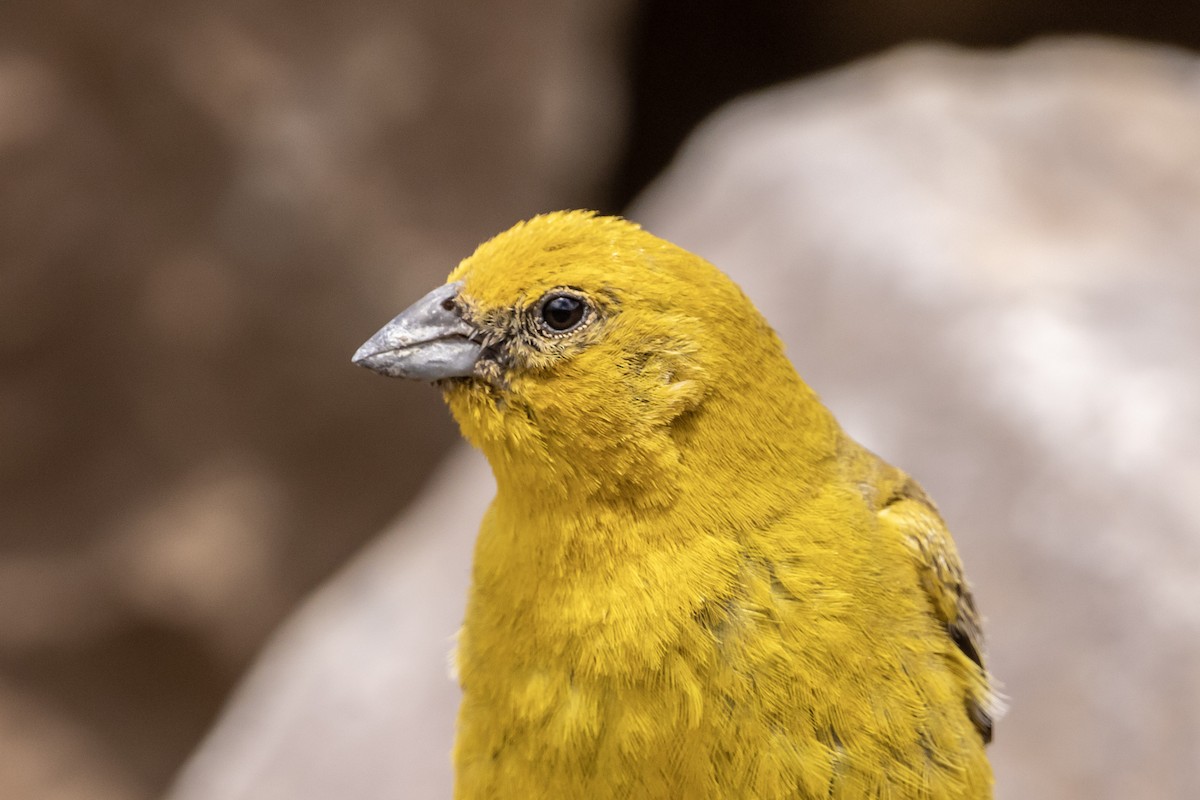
{"x": 910, "y": 512}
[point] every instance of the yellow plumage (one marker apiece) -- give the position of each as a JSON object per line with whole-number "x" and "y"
{"x": 691, "y": 583}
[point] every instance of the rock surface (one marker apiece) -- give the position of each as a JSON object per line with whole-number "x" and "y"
{"x": 986, "y": 263}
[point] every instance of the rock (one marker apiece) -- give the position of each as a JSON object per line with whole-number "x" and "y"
{"x": 205, "y": 208}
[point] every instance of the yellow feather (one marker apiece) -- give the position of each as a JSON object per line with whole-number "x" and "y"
{"x": 691, "y": 583}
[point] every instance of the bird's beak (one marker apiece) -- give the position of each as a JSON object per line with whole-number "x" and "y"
{"x": 427, "y": 342}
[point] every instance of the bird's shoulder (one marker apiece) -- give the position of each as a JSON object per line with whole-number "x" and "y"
{"x": 904, "y": 509}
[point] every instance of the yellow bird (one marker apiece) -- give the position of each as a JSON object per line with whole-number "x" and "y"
{"x": 691, "y": 582}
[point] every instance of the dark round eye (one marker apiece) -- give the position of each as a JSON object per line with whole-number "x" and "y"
{"x": 562, "y": 312}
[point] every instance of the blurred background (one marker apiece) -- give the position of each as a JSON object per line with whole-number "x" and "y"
{"x": 981, "y": 245}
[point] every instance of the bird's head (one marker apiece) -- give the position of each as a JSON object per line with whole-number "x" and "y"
{"x": 578, "y": 351}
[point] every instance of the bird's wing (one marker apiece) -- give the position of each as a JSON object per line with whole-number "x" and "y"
{"x": 942, "y": 577}
{"x": 910, "y": 512}
{"x": 902, "y": 506}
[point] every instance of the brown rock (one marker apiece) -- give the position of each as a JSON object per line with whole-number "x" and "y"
{"x": 204, "y": 207}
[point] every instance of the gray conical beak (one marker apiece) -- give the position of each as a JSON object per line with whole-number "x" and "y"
{"x": 427, "y": 342}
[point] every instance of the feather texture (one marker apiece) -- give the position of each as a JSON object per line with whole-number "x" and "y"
{"x": 691, "y": 583}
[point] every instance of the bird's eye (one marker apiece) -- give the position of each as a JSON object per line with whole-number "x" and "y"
{"x": 562, "y": 312}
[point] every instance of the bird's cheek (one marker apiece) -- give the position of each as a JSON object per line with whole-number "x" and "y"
{"x": 489, "y": 371}
{"x": 679, "y": 397}
{"x": 477, "y": 408}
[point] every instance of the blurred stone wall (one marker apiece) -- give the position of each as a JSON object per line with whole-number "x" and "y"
{"x": 204, "y": 208}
